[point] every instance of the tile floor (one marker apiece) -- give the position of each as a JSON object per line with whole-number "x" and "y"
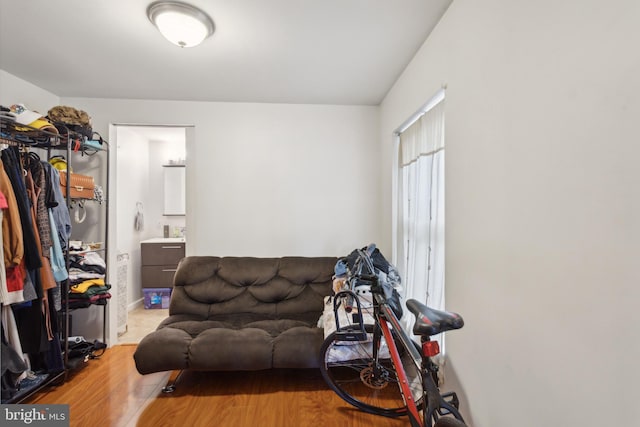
{"x": 140, "y": 322}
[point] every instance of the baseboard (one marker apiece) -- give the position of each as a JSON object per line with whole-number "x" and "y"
{"x": 136, "y": 304}
{"x": 130, "y": 307}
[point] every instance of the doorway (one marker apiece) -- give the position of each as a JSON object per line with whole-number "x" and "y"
{"x": 139, "y": 153}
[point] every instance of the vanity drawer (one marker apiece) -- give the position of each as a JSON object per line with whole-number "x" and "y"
{"x": 162, "y": 253}
{"x": 158, "y": 276}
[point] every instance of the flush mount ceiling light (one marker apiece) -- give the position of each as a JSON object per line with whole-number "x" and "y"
{"x": 180, "y": 23}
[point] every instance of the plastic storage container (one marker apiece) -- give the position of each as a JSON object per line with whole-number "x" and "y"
{"x": 156, "y": 297}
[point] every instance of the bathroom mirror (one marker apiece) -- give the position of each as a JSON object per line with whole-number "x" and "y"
{"x": 174, "y": 189}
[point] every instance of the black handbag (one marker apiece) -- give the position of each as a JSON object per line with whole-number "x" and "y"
{"x": 86, "y": 350}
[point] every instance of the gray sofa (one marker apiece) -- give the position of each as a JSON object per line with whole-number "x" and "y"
{"x": 241, "y": 313}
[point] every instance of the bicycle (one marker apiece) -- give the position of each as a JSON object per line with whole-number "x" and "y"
{"x": 377, "y": 368}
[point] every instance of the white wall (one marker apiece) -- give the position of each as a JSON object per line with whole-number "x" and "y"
{"x": 133, "y": 186}
{"x": 14, "y": 90}
{"x": 266, "y": 179}
{"x": 269, "y": 179}
{"x": 542, "y": 206}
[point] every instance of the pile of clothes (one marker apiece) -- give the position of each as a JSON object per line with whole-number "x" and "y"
{"x": 87, "y": 285}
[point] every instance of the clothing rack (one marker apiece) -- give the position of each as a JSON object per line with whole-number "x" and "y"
{"x": 26, "y": 137}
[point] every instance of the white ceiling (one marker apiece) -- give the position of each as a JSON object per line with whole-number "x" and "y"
{"x": 280, "y": 51}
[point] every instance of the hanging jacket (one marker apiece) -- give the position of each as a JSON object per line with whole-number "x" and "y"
{"x": 60, "y": 211}
{"x": 11, "y": 225}
{"x": 11, "y": 159}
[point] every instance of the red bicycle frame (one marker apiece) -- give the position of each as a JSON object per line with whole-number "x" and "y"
{"x": 412, "y": 409}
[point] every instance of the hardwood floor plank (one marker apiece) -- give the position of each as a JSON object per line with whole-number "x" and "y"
{"x": 110, "y": 392}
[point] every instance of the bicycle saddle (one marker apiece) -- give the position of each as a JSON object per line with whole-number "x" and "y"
{"x": 430, "y": 321}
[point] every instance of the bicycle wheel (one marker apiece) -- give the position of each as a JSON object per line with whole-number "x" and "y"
{"x": 449, "y": 422}
{"x": 349, "y": 369}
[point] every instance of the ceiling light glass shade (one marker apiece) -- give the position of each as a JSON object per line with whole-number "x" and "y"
{"x": 180, "y": 23}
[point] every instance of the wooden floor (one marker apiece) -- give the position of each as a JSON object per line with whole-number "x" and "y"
{"x": 110, "y": 392}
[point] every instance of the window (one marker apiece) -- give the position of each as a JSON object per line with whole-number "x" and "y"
{"x": 419, "y": 234}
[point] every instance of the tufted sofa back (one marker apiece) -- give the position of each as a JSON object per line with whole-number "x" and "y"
{"x": 287, "y": 287}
